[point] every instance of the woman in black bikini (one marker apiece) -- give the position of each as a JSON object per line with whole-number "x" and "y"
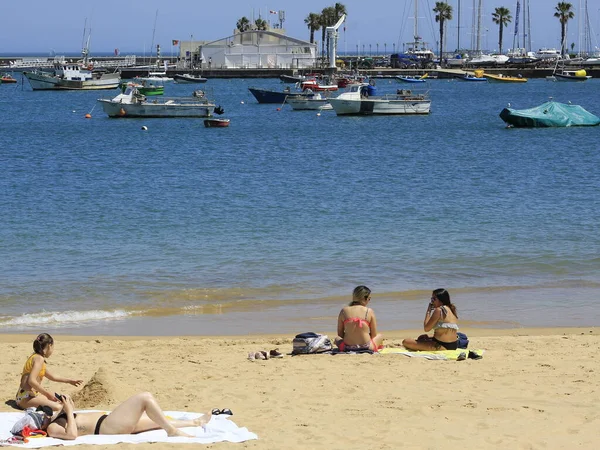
{"x": 135, "y": 415}
{"x": 442, "y": 318}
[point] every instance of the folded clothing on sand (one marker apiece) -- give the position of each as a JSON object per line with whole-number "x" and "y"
{"x": 446, "y": 355}
{"x": 219, "y": 429}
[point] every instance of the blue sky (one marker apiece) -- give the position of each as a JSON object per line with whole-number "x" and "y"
{"x": 44, "y": 26}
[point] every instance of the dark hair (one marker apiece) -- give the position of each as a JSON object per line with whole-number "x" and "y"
{"x": 444, "y": 296}
{"x": 359, "y": 295}
{"x": 41, "y": 342}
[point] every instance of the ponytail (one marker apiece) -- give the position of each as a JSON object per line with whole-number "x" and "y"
{"x": 41, "y": 342}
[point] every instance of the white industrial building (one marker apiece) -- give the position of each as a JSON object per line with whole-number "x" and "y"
{"x": 249, "y": 50}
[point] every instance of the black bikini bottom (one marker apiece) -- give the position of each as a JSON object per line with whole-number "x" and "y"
{"x": 100, "y": 420}
{"x": 447, "y": 345}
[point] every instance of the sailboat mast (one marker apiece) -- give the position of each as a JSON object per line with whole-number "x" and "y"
{"x": 479, "y": 26}
{"x": 516, "y": 43}
{"x": 153, "y": 33}
{"x": 416, "y": 26}
{"x": 458, "y": 42}
{"x": 527, "y": 35}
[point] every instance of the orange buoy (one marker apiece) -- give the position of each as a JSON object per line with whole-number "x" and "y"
{"x": 88, "y": 116}
{"x": 122, "y": 112}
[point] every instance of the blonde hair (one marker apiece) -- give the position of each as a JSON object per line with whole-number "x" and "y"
{"x": 360, "y": 295}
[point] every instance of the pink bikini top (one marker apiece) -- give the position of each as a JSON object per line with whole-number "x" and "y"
{"x": 359, "y": 321}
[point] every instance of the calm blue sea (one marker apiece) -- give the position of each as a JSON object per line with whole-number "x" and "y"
{"x": 268, "y": 225}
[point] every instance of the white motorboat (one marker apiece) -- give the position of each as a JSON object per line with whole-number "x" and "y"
{"x": 361, "y": 99}
{"x": 572, "y": 75}
{"x": 316, "y": 102}
{"x": 72, "y": 76}
{"x": 132, "y": 103}
{"x": 155, "y": 77}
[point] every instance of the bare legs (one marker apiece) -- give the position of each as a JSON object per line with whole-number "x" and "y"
{"x": 142, "y": 413}
{"x": 423, "y": 342}
{"x": 39, "y": 400}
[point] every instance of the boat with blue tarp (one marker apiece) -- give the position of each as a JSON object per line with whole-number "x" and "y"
{"x": 549, "y": 114}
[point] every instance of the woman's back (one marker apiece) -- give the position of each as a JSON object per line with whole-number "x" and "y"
{"x": 356, "y": 322}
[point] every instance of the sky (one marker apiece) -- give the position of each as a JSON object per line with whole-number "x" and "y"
{"x": 44, "y": 27}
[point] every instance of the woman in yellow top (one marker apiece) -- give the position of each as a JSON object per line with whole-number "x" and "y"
{"x": 34, "y": 372}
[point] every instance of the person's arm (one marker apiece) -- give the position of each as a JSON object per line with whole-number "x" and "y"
{"x": 58, "y": 379}
{"x": 340, "y": 325}
{"x": 373, "y": 324}
{"x": 432, "y": 316}
{"x": 32, "y": 380}
{"x": 69, "y": 431}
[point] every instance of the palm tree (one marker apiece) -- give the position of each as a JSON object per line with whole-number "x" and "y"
{"x": 564, "y": 13}
{"x": 243, "y": 24}
{"x": 501, "y": 16}
{"x": 313, "y": 22}
{"x": 340, "y": 10}
{"x": 444, "y": 13}
{"x": 260, "y": 24}
{"x": 327, "y": 20}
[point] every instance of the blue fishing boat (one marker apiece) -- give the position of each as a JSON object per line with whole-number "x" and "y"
{"x": 271, "y": 96}
{"x": 549, "y": 114}
{"x": 412, "y": 79}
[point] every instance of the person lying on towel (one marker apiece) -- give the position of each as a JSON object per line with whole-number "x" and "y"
{"x": 135, "y": 415}
{"x": 442, "y": 318}
{"x": 357, "y": 325}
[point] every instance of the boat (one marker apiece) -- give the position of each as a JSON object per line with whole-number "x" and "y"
{"x": 361, "y": 99}
{"x": 7, "y": 79}
{"x": 318, "y": 85}
{"x": 271, "y": 96}
{"x": 155, "y": 77}
{"x": 144, "y": 88}
{"x": 549, "y": 114}
{"x": 216, "y": 123}
{"x": 500, "y": 78}
{"x": 72, "y": 76}
{"x": 476, "y": 76}
{"x": 132, "y": 103}
{"x": 189, "y": 78}
{"x": 316, "y": 102}
{"x": 572, "y": 75}
{"x": 412, "y": 79}
{"x": 293, "y": 79}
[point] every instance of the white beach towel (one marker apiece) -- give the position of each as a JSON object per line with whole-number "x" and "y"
{"x": 218, "y": 429}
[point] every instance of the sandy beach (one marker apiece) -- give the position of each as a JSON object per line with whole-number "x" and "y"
{"x": 534, "y": 388}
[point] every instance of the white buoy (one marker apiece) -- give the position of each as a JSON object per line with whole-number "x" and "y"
{"x": 74, "y": 111}
{"x": 318, "y": 114}
{"x": 144, "y": 127}
{"x": 242, "y": 102}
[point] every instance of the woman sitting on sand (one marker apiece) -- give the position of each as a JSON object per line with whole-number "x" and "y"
{"x": 357, "y": 325}
{"x": 34, "y": 372}
{"x": 441, "y": 317}
{"x": 135, "y": 415}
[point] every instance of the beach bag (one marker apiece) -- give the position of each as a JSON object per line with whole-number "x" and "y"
{"x": 310, "y": 343}
{"x": 463, "y": 340}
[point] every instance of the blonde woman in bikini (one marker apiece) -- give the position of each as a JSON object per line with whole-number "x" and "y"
{"x": 442, "y": 318}
{"x": 357, "y": 324}
{"x": 31, "y": 393}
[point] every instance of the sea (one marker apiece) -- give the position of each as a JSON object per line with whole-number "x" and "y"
{"x": 107, "y": 228}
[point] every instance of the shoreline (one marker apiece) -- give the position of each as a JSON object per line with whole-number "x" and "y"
{"x": 528, "y": 382}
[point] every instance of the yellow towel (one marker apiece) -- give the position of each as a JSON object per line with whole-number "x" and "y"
{"x": 447, "y": 355}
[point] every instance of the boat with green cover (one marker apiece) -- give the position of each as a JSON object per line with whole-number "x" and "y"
{"x": 145, "y": 88}
{"x": 549, "y": 114}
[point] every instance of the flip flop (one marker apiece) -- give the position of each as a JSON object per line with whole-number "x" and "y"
{"x": 225, "y": 411}
{"x": 275, "y": 353}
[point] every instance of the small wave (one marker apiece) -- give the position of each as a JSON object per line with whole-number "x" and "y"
{"x": 62, "y": 317}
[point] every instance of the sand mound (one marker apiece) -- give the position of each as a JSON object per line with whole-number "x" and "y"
{"x": 96, "y": 392}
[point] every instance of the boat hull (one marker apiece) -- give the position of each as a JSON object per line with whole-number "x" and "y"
{"x": 504, "y": 79}
{"x": 216, "y": 123}
{"x": 155, "y": 110}
{"x": 410, "y": 80}
{"x": 268, "y": 96}
{"x": 44, "y": 82}
{"x": 188, "y": 79}
{"x": 371, "y": 106}
{"x": 303, "y": 104}
{"x": 571, "y": 78}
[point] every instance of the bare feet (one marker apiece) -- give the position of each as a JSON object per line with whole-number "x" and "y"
{"x": 178, "y": 432}
{"x": 203, "y": 419}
